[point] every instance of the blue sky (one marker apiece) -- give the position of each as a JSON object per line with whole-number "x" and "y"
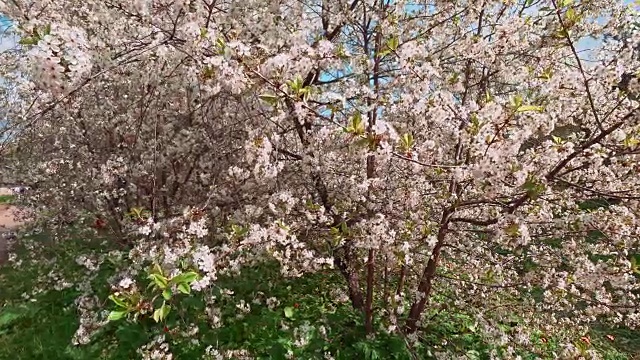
{"x": 4, "y": 22}
{"x": 591, "y": 43}
{"x": 6, "y": 40}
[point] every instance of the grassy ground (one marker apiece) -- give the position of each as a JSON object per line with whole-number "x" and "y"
{"x": 42, "y": 326}
{"x": 6, "y": 199}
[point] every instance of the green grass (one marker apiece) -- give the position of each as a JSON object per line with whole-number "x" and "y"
{"x": 7, "y": 199}
{"x": 626, "y": 342}
{"x": 42, "y": 328}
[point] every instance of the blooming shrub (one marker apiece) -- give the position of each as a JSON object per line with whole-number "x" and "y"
{"x": 446, "y": 148}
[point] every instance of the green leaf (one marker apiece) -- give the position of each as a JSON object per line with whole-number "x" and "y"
{"x": 186, "y": 278}
{"x": 288, "y": 312}
{"x": 117, "y": 315}
{"x": 344, "y": 228}
{"x": 453, "y": 79}
{"x": 547, "y": 73}
{"x": 357, "y": 125}
{"x": 220, "y": 43}
{"x": 165, "y": 310}
{"x": 157, "y": 315}
{"x": 270, "y": 99}
{"x": 117, "y": 301}
{"x": 190, "y": 277}
{"x": 474, "y": 126}
{"x": 239, "y": 230}
{"x": 407, "y": 141}
{"x": 571, "y": 15}
{"x": 161, "y": 313}
{"x": 393, "y": 43}
{"x": 184, "y": 288}
{"x": 512, "y": 230}
{"x": 631, "y": 141}
{"x": 282, "y": 225}
{"x": 516, "y": 101}
{"x": 525, "y": 108}
{"x": 157, "y": 269}
{"x": 384, "y": 53}
{"x": 159, "y": 280}
{"x": 29, "y": 40}
{"x": 487, "y": 96}
{"x": 533, "y": 187}
{"x": 296, "y": 84}
{"x": 166, "y": 294}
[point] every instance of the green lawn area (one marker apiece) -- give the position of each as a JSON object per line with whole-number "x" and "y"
{"x": 42, "y": 326}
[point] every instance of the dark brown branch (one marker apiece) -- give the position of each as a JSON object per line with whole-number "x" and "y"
{"x": 476, "y": 222}
{"x": 290, "y": 154}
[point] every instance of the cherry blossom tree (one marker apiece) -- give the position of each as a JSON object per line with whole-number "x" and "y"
{"x": 427, "y": 149}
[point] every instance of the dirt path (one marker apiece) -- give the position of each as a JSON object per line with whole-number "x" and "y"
{"x": 10, "y": 220}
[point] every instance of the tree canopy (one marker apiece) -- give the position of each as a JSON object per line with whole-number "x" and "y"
{"x": 463, "y": 149}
